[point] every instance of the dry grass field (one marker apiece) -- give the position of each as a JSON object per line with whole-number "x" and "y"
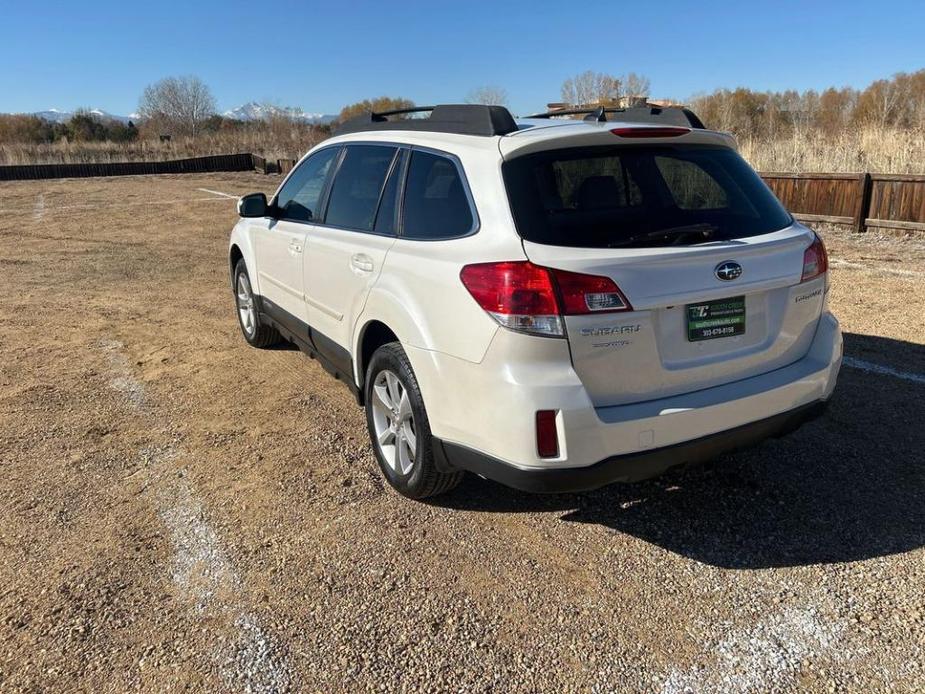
{"x": 272, "y": 141}
{"x": 879, "y": 150}
{"x": 882, "y": 150}
{"x": 181, "y": 512}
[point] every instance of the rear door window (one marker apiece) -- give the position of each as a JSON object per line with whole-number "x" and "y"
{"x": 358, "y": 186}
{"x": 643, "y": 195}
{"x": 436, "y": 205}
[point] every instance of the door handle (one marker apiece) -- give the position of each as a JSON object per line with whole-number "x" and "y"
{"x": 361, "y": 262}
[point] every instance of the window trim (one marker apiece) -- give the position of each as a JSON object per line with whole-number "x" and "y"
{"x": 460, "y": 170}
{"x": 326, "y": 194}
{"x": 400, "y": 159}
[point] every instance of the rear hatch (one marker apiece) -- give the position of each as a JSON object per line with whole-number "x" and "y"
{"x": 710, "y": 264}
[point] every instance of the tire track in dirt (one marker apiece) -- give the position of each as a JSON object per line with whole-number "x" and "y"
{"x": 871, "y": 367}
{"x": 851, "y": 265}
{"x": 219, "y": 193}
{"x": 38, "y": 210}
{"x": 201, "y": 569}
{"x": 762, "y": 657}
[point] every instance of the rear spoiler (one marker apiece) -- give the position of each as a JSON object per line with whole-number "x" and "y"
{"x": 662, "y": 115}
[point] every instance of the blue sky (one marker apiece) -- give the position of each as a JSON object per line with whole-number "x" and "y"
{"x": 320, "y": 56}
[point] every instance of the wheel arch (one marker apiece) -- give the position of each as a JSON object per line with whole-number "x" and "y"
{"x": 401, "y": 314}
{"x": 373, "y": 335}
{"x": 235, "y": 255}
{"x": 240, "y": 247}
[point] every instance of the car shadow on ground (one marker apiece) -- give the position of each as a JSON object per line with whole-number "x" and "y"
{"x": 846, "y": 487}
{"x": 282, "y": 346}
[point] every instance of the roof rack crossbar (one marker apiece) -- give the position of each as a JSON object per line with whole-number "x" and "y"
{"x": 566, "y": 112}
{"x": 459, "y": 119}
{"x": 674, "y": 115}
{"x": 400, "y": 111}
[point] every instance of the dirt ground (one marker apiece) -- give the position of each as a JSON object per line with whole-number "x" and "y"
{"x": 179, "y": 511}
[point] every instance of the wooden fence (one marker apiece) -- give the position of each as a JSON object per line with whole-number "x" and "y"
{"x": 220, "y": 162}
{"x": 268, "y": 166}
{"x": 863, "y": 201}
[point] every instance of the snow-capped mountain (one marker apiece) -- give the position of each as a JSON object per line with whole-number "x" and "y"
{"x": 257, "y": 111}
{"x": 57, "y": 116}
{"x": 248, "y": 112}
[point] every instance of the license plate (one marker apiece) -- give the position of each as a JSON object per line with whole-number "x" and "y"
{"x": 713, "y": 319}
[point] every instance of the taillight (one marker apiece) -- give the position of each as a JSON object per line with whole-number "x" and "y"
{"x": 815, "y": 260}
{"x": 517, "y": 294}
{"x": 547, "y": 438}
{"x": 650, "y": 132}
{"x": 589, "y": 293}
{"x": 532, "y": 299}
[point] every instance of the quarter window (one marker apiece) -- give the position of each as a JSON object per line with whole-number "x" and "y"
{"x": 436, "y": 205}
{"x": 299, "y": 198}
{"x": 358, "y": 185}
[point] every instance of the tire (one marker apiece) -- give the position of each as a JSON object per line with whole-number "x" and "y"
{"x": 255, "y": 332}
{"x": 394, "y": 407}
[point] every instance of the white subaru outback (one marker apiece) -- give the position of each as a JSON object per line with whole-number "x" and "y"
{"x": 552, "y": 304}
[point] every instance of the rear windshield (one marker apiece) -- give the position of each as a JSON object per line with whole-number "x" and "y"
{"x": 600, "y": 197}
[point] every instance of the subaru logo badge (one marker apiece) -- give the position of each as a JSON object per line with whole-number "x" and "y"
{"x": 728, "y": 271}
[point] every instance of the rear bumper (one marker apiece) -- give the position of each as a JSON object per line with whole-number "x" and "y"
{"x": 486, "y": 422}
{"x": 623, "y": 468}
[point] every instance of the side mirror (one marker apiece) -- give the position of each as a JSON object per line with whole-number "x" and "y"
{"x": 253, "y": 205}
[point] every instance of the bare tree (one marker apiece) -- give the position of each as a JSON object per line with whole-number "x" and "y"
{"x": 590, "y": 88}
{"x": 177, "y": 105}
{"x": 593, "y": 88}
{"x": 488, "y": 94}
{"x": 916, "y": 106}
{"x": 886, "y": 99}
{"x": 634, "y": 85}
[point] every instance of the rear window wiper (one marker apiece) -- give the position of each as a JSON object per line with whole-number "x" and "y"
{"x": 705, "y": 229}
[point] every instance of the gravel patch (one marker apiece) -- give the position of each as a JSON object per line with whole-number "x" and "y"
{"x": 760, "y": 657}
{"x": 180, "y": 512}
{"x": 201, "y": 569}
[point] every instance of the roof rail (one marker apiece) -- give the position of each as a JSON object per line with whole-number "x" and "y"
{"x": 460, "y": 119}
{"x": 665, "y": 115}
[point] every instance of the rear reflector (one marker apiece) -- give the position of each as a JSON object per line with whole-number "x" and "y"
{"x": 650, "y": 132}
{"x": 815, "y": 260}
{"x": 531, "y": 299}
{"x": 547, "y": 438}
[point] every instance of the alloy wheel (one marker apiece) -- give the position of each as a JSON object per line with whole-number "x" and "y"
{"x": 246, "y": 311}
{"x": 394, "y": 422}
